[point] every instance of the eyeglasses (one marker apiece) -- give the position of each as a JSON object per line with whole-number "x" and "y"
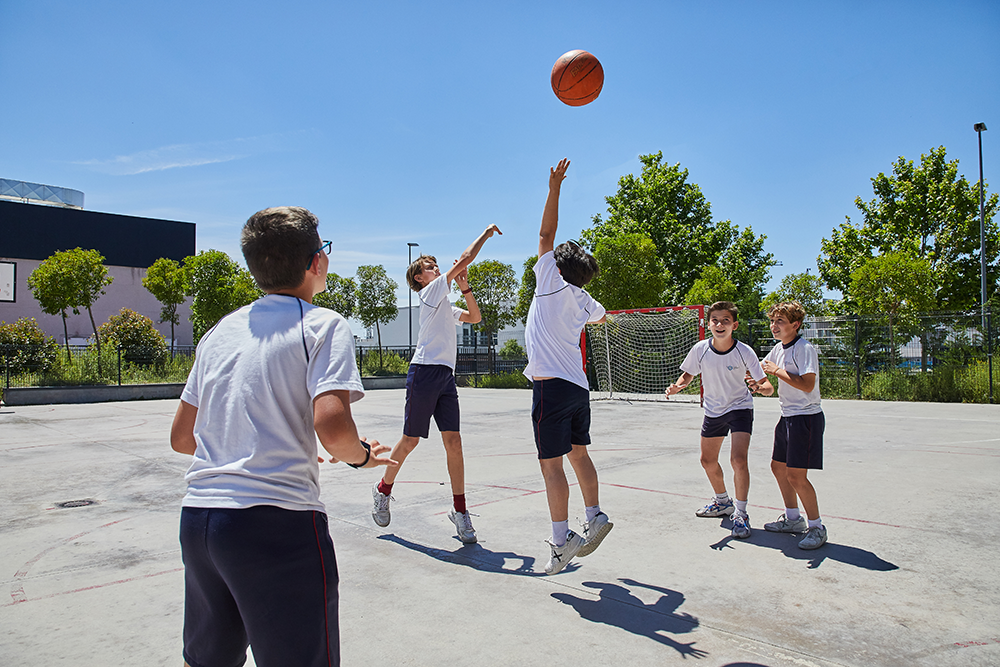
{"x": 326, "y": 247}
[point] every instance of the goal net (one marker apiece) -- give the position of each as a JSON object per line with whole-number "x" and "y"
{"x": 636, "y": 354}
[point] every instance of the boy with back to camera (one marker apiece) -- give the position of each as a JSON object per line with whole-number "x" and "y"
{"x": 259, "y": 563}
{"x": 430, "y": 382}
{"x": 560, "y": 403}
{"x": 724, "y": 365}
{"x": 798, "y": 437}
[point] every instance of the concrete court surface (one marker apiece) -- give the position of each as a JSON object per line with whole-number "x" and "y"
{"x": 909, "y": 576}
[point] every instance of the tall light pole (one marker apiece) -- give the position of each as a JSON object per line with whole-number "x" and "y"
{"x": 409, "y": 292}
{"x": 980, "y": 128}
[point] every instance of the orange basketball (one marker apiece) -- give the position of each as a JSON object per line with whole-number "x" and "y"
{"x": 577, "y": 78}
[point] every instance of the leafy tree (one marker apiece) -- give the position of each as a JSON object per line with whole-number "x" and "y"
{"x": 166, "y": 281}
{"x": 802, "y": 287}
{"x": 218, "y": 286}
{"x": 339, "y": 295}
{"x": 713, "y": 285}
{"x": 926, "y": 211}
{"x": 661, "y": 204}
{"x": 71, "y": 279}
{"x": 376, "y": 299}
{"x": 748, "y": 267}
{"x": 25, "y": 347}
{"x": 137, "y": 337}
{"x": 632, "y": 275}
{"x": 526, "y": 292}
{"x": 512, "y": 350}
{"x": 894, "y": 286}
{"x": 495, "y": 287}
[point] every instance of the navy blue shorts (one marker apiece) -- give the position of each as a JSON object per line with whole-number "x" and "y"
{"x": 560, "y": 415}
{"x": 430, "y": 392}
{"x": 262, "y": 576}
{"x": 798, "y": 441}
{"x": 737, "y": 421}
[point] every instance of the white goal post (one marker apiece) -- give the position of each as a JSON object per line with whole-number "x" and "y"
{"x": 637, "y": 353}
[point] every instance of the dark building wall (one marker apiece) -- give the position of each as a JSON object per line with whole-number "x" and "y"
{"x": 32, "y": 231}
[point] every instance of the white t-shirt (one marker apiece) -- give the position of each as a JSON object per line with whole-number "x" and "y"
{"x": 798, "y": 358}
{"x": 254, "y": 378}
{"x": 436, "y": 342}
{"x": 723, "y": 375}
{"x": 556, "y": 317}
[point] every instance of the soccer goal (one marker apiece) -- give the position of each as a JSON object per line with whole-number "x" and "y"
{"x": 637, "y": 353}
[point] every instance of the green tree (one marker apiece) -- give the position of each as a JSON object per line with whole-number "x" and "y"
{"x": 632, "y": 275}
{"x": 218, "y": 286}
{"x": 662, "y": 205}
{"x": 802, "y": 287}
{"x": 713, "y": 285}
{"x": 339, "y": 295}
{"x": 894, "y": 286}
{"x": 376, "y": 299}
{"x": 136, "y": 336}
{"x": 748, "y": 267}
{"x": 512, "y": 350}
{"x": 166, "y": 280}
{"x": 71, "y": 279}
{"x": 495, "y": 287}
{"x": 526, "y": 292}
{"x": 25, "y": 347}
{"x": 926, "y": 211}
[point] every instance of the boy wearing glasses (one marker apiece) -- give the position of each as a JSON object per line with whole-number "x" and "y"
{"x": 259, "y": 563}
{"x": 430, "y": 382}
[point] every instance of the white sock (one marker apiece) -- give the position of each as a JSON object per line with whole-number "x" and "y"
{"x": 816, "y": 523}
{"x": 722, "y": 497}
{"x": 592, "y": 512}
{"x": 792, "y": 513}
{"x": 741, "y": 506}
{"x": 559, "y": 532}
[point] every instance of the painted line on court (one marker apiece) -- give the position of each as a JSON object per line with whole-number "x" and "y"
{"x": 94, "y": 587}
{"x": 939, "y": 451}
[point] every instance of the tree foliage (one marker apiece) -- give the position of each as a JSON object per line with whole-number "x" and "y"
{"x": 664, "y": 206}
{"x": 526, "y": 292}
{"x": 218, "y": 286}
{"x": 340, "y": 295}
{"x": 802, "y": 287}
{"x": 136, "y": 336}
{"x": 748, "y": 267}
{"x": 713, "y": 285}
{"x": 924, "y": 211}
{"x": 166, "y": 280}
{"x": 632, "y": 274}
{"x": 24, "y": 347}
{"x": 376, "y": 299}
{"x": 495, "y": 288}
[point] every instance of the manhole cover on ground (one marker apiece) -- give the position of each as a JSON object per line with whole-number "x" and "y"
{"x": 76, "y": 503}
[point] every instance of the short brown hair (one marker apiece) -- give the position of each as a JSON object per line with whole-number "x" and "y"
{"x": 417, "y": 266}
{"x": 727, "y": 306}
{"x": 791, "y": 310}
{"x": 277, "y": 243}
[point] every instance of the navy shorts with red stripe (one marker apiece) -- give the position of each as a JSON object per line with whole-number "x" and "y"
{"x": 560, "y": 416}
{"x": 798, "y": 441}
{"x": 430, "y": 392}
{"x": 261, "y": 576}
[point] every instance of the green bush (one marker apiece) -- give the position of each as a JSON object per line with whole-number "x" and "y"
{"x": 500, "y": 381}
{"x": 512, "y": 350}
{"x": 137, "y": 336}
{"x": 392, "y": 364}
{"x": 24, "y": 347}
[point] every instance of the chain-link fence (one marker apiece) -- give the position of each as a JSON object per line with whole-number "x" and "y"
{"x": 49, "y": 364}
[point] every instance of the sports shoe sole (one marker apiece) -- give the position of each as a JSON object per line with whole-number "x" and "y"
{"x": 591, "y": 544}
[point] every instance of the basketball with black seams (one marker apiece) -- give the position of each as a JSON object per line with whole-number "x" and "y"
{"x": 577, "y": 78}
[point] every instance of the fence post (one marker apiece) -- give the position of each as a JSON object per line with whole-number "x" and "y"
{"x": 857, "y": 355}
{"x": 119, "y": 365}
{"x": 989, "y": 348}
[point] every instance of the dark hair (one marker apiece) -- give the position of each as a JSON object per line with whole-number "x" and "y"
{"x": 417, "y": 266}
{"x": 277, "y": 243}
{"x": 576, "y": 265}
{"x": 727, "y": 306}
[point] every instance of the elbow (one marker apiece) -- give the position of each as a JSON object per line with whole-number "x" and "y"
{"x": 474, "y": 319}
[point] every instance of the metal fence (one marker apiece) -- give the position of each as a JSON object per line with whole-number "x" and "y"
{"x": 50, "y": 364}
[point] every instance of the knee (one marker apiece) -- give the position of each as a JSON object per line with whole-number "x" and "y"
{"x": 709, "y": 463}
{"x": 452, "y": 443}
{"x": 408, "y": 444}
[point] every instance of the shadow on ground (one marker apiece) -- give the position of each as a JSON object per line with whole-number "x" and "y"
{"x": 477, "y": 557}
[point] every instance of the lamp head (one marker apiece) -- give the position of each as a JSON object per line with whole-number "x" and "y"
{"x": 979, "y": 127}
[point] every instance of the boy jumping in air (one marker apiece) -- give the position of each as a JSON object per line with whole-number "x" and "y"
{"x": 430, "y": 383}
{"x": 724, "y": 364}
{"x": 560, "y": 405}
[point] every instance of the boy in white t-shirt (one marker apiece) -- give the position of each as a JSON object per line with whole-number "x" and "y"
{"x": 560, "y": 409}
{"x": 798, "y": 437}
{"x": 430, "y": 382}
{"x": 724, "y": 365}
{"x": 259, "y": 563}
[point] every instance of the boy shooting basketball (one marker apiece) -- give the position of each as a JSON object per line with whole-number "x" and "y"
{"x": 430, "y": 383}
{"x": 724, "y": 363}
{"x": 560, "y": 405}
{"x": 798, "y": 437}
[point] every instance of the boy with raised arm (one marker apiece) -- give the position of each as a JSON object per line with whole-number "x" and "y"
{"x": 724, "y": 364}
{"x": 560, "y": 404}
{"x": 430, "y": 382}
{"x": 259, "y": 564}
{"x": 798, "y": 437}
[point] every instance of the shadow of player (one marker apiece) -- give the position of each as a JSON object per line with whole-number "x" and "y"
{"x": 788, "y": 544}
{"x": 617, "y": 606}
{"x": 477, "y": 557}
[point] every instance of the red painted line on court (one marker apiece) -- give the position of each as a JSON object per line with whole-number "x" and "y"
{"x": 984, "y": 642}
{"x": 938, "y": 451}
{"x": 94, "y": 587}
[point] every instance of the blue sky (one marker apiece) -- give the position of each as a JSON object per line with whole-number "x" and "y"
{"x": 424, "y": 122}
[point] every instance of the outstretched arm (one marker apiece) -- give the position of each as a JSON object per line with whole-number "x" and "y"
{"x": 469, "y": 255}
{"x": 682, "y": 382}
{"x": 472, "y": 315}
{"x": 550, "y": 216}
{"x": 339, "y": 435}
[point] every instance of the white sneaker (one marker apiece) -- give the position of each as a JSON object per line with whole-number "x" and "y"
{"x": 785, "y": 525}
{"x": 463, "y": 524}
{"x": 814, "y": 539}
{"x": 380, "y": 512}
{"x": 561, "y": 556}
{"x": 594, "y": 532}
{"x": 741, "y": 525}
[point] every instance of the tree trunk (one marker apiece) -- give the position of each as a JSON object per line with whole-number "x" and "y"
{"x": 69, "y": 357}
{"x": 97, "y": 339}
{"x": 378, "y": 335}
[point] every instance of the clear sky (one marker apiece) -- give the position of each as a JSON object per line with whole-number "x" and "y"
{"x": 423, "y": 122}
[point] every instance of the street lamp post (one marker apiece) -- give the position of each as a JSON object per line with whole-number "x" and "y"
{"x": 409, "y": 293}
{"x": 980, "y": 128}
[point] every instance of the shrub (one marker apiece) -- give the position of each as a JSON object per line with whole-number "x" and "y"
{"x": 392, "y": 364}
{"x": 500, "y": 381}
{"x": 137, "y": 336}
{"x": 25, "y": 348}
{"x": 512, "y": 350}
